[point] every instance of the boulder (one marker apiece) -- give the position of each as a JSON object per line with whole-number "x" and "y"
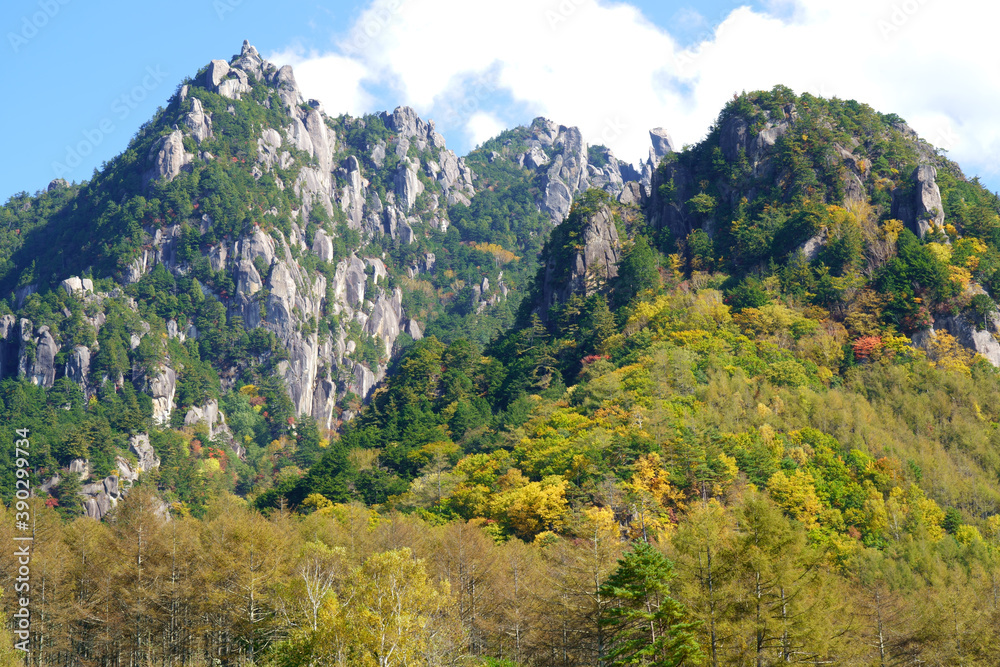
{"x": 81, "y": 467}
{"x": 217, "y": 71}
{"x": 97, "y": 506}
{"x": 126, "y": 473}
{"x": 76, "y": 285}
{"x": 235, "y": 88}
{"x": 209, "y": 414}
{"x": 146, "y": 457}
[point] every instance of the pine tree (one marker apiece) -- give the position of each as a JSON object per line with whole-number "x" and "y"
{"x": 648, "y": 627}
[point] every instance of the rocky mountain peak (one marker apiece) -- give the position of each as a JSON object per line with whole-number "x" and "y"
{"x": 582, "y": 254}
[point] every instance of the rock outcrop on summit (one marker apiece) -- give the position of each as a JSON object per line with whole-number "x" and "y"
{"x": 562, "y": 159}
{"x": 272, "y": 287}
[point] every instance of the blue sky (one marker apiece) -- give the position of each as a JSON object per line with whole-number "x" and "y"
{"x": 80, "y": 79}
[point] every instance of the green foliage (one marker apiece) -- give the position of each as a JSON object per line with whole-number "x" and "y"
{"x": 638, "y": 271}
{"x": 647, "y": 626}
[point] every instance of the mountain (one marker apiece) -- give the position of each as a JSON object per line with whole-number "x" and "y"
{"x": 291, "y": 246}
{"x": 324, "y": 354}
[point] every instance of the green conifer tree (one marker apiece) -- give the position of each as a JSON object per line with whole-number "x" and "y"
{"x": 648, "y": 626}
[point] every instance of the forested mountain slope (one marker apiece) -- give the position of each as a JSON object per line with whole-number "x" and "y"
{"x": 246, "y": 238}
{"x": 761, "y": 371}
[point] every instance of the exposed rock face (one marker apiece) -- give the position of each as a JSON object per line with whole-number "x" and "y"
{"x": 127, "y": 475}
{"x": 78, "y": 367}
{"x": 964, "y": 329}
{"x": 77, "y": 285}
{"x": 272, "y": 288}
{"x": 9, "y": 344}
{"x": 322, "y": 246}
{"x": 386, "y": 318}
{"x": 209, "y": 414}
{"x": 147, "y": 458}
{"x": 735, "y": 136}
{"x": 569, "y": 170}
{"x": 667, "y": 188}
{"x": 288, "y": 89}
{"x": 218, "y": 70}
{"x": 234, "y": 88}
{"x": 37, "y": 355}
{"x": 928, "y": 205}
{"x": 97, "y": 505}
{"x": 594, "y": 262}
{"x": 364, "y": 379}
{"x": 408, "y": 186}
{"x": 349, "y": 281}
{"x": 922, "y": 206}
{"x": 663, "y": 145}
{"x": 198, "y": 121}
{"x": 666, "y": 210}
{"x": 632, "y": 194}
{"x": 814, "y": 245}
{"x": 24, "y": 354}
{"x": 168, "y": 156}
{"x": 162, "y": 388}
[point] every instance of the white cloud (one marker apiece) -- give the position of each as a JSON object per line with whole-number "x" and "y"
{"x": 607, "y": 69}
{"x": 335, "y": 80}
{"x": 483, "y": 126}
